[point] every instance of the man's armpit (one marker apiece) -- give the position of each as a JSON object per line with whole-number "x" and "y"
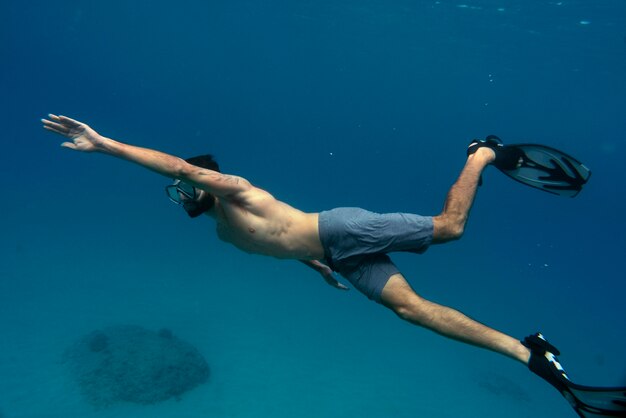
{"x": 218, "y": 177}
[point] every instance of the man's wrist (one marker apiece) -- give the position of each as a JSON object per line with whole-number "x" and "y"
{"x": 107, "y": 145}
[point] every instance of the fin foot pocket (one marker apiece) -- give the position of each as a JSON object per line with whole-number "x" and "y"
{"x": 507, "y": 157}
{"x": 587, "y": 401}
{"x": 491, "y": 141}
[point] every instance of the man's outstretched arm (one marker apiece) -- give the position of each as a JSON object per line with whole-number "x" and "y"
{"x": 84, "y": 138}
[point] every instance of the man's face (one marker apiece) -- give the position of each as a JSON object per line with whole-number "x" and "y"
{"x": 196, "y": 206}
{"x": 193, "y": 200}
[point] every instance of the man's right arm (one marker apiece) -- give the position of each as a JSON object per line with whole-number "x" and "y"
{"x": 84, "y": 138}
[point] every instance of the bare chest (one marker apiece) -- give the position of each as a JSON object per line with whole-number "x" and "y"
{"x": 235, "y": 233}
{"x": 273, "y": 229}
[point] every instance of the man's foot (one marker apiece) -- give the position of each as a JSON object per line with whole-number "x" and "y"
{"x": 484, "y": 153}
{"x": 504, "y": 158}
{"x": 543, "y": 361}
{"x": 490, "y": 141}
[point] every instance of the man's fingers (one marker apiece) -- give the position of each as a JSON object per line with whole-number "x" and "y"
{"x": 56, "y": 131}
{"x": 69, "y": 121}
{"x": 69, "y": 145}
{"x": 336, "y": 283}
{"x": 63, "y": 120}
{"x": 53, "y": 126}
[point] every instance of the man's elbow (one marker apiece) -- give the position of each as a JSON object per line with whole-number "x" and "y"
{"x": 185, "y": 171}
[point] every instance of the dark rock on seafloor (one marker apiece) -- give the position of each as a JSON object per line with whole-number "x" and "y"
{"x": 133, "y": 364}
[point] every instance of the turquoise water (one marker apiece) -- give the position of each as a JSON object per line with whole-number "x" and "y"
{"x": 325, "y": 104}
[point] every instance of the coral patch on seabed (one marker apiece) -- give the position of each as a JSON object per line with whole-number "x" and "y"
{"x": 133, "y": 364}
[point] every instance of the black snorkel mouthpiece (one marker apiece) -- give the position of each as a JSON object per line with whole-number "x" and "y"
{"x": 195, "y": 208}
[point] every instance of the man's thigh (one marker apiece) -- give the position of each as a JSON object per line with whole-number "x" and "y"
{"x": 368, "y": 274}
{"x": 349, "y": 233}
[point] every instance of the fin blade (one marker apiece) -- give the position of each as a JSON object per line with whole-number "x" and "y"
{"x": 599, "y": 402}
{"x": 548, "y": 169}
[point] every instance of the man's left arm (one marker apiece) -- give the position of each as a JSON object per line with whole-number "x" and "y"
{"x": 326, "y": 273}
{"x": 84, "y": 138}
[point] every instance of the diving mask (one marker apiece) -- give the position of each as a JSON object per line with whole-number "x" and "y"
{"x": 188, "y": 196}
{"x": 180, "y": 191}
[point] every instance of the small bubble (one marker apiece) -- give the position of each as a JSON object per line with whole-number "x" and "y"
{"x": 584, "y": 22}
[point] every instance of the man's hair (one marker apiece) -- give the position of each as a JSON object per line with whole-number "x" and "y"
{"x": 204, "y": 161}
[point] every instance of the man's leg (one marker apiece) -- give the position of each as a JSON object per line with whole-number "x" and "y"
{"x": 449, "y": 225}
{"x": 398, "y": 296}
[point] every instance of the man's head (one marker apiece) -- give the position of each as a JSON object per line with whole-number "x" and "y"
{"x": 205, "y": 161}
{"x": 194, "y": 201}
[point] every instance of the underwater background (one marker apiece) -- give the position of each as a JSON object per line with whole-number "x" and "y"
{"x": 325, "y": 104}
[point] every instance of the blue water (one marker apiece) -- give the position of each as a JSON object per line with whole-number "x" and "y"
{"x": 324, "y": 103}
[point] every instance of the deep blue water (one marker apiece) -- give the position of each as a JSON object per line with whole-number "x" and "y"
{"x": 324, "y": 103}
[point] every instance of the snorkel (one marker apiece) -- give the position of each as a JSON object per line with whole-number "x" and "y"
{"x": 195, "y": 208}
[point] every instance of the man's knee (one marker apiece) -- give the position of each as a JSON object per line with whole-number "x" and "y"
{"x": 405, "y": 311}
{"x": 416, "y": 312}
{"x": 398, "y": 296}
{"x": 448, "y": 228}
{"x": 413, "y": 309}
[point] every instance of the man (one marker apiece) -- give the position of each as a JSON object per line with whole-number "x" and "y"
{"x": 351, "y": 241}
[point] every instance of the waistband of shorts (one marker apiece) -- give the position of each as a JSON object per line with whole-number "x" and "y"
{"x": 322, "y": 226}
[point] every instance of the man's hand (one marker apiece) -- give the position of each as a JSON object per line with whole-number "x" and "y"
{"x": 327, "y": 274}
{"x": 83, "y": 137}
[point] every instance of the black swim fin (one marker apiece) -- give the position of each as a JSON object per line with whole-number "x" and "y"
{"x": 587, "y": 401}
{"x": 539, "y": 166}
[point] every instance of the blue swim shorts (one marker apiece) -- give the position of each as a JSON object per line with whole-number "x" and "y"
{"x": 356, "y": 243}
